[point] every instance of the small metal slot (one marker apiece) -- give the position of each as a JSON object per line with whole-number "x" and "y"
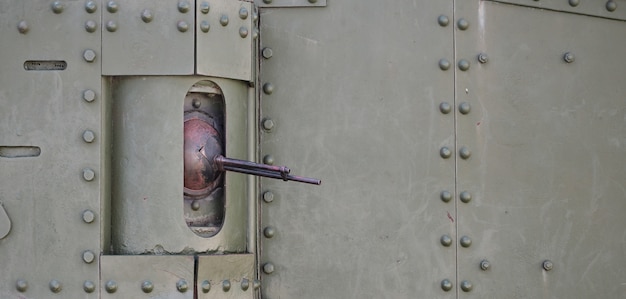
{"x": 19, "y": 151}
{"x": 45, "y": 65}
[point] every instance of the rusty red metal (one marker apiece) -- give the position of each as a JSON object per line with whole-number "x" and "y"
{"x": 202, "y": 144}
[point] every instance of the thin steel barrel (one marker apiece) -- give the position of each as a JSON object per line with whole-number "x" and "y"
{"x": 273, "y": 174}
{"x": 222, "y": 161}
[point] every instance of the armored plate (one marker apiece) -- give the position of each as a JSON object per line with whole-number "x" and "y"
{"x": 137, "y": 37}
{"x": 546, "y": 173}
{"x": 610, "y": 9}
{"x": 226, "y": 276}
{"x": 290, "y": 3}
{"x": 51, "y": 170}
{"x": 356, "y": 103}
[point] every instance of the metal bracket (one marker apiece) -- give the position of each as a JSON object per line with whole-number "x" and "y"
{"x": 604, "y": 9}
{"x": 290, "y": 3}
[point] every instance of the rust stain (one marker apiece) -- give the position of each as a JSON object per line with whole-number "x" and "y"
{"x": 450, "y": 217}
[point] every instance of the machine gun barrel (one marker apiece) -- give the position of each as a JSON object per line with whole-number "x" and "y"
{"x": 269, "y": 171}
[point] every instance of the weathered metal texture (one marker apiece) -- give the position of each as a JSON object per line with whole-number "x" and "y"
{"x": 611, "y": 9}
{"x": 225, "y": 36}
{"x": 147, "y": 167}
{"x": 290, "y": 3}
{"x": 144, "y": 276}
{"x": 132, "y": 45}
{"x": 356, "y": 103}
{"x": 43, "y": 154}
{"x": 226, "y": 276}
{"x": 548, "y": 139}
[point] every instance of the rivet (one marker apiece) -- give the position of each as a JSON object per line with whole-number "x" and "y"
{"x": 55, "y": 286}
{"x": 205, "y": 26}
{"x": 445, "y": 152}
{"x": 255, "y": 16}
{"x": 445, "y": 107}
{"x": 267, "y": 1}
{"x": 91, "y": 26}
{"x": 147, "y": 286}
{"x": 182, "y": 26}
{"x": 466, "y": 286}
{"x": 183, "y": 6}
{"x": 89, "y": 95}
{"x": 268, "y": 268}
{"x": 268, "y": 159}
{"x": 312, "y": 1}
{"x": 88, "y": 256}
{"x": 88, "y": 216}
{"x": 224, "y": 20}
{"x": 256, "y": 284}
{"x": 611, "y": 5}
{"x": 547, "y": 265}
{"x": 226, "y": 285}
{"x": 206, "y": 286}
{"x": 269, "y": 232}
{"x": 568, "y": 57}
{"x": 21, "y": 285}
{"x": 465, "y": 241}
{"x": 444, "y": 64}
{"x": 463, "y": 24}
{"x": 182, "y": 286}
{"x": 89, "y": 286}
{"x": 267, "y": 53}
{"x": 91, "y": 6}
{"x": 446, "y": 240}
{"x": 443, "y": 20}
{"x": 111, "y": 286}
{"x": 88, "y": 174}
{"x": 22, "y": 27}
{"x": 255, "y": 33}
{"x": 111, "y": 26}
{"x": 465, "y": 108}
{"x": 483, "y": 58}
{"x": 465, "y": 196}
{"x": 464, "y": 65}
{"x": 268, "y": 196}
{"x": 446, "y": 285}
{"x": 485, "y": 265}
{"x": 574, "y": 3}
{"x": 268, "y": 88}
{"x": 446, "y": 196}
{"x": 195, "y": 205}
{"x": 89, "y": 55}
{"x": 268, "y": 124}
{"x": 112, "y": 7}
{"x": 57, "y": 7}
{"x": 245, "y": 284}
{"x": 89, "y": 136}
{"x": 243, "y": 13}
{"x": 205, "y": 7}
{"x": 465, "y": 153}
{"x": 147, "y": 16}
{"x": 243, "y": 31}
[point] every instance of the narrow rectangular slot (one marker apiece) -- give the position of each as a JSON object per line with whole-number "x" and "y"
{"x": 19, "y": 151}
{"x": 45, "y": 65}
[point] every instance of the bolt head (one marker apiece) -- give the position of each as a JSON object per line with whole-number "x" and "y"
{"x": 446, "y": 285}
{"x": 206, "y": 286}
{"x": 55, "y": 286}
{"x": 466, "y": 285}
{"x": 243, "y": 32}
{"x": 89, "y": 55}
{"x": 88, "y": 216}
{"x": 444, "y": 64}
{"x": 89, "y": 286}
{"x": 21, "y": 285}
{"x": 443, "y": 20}
{"x": 466, "y": 241}
{"x": 485, "y": 265}
{"x": 182, "y": 286}
{"x": 267, "y": 53}
{"x": 22, "y": 27}
{"x": 88, "y": 174}
{"x": 111, "y": 286}
{"x": 568, "y": 57}
{"x": 483, "y": 58}
{"x": 89, "y": 95}
{"x": 548, "y": 265}
{"x": 88, "y": 256}
{"x": 268, "y": 124}
{"x": 446, "y": 240}
{"x": 89, "y": 136}
{"x": 147, "y": 286}
{"x": 268, "y": 196}
{"x": 226, "y": 285}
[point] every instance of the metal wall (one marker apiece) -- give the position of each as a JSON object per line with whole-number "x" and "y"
{"x": 372, "y": 97}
